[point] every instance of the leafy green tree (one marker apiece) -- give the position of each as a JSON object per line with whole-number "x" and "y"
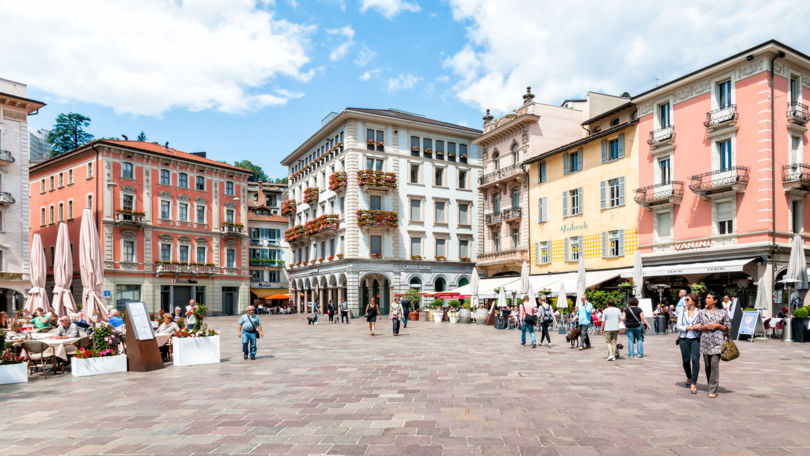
{"x": 281, "y": 180}
{"x": 68, "y": 133}
{"x": 258, "y": 173}
{"x": 141, "y": 136}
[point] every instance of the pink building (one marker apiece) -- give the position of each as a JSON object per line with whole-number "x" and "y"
{"x": 722, "y": 178}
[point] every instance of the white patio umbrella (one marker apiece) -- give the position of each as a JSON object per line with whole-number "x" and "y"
{"x": 37, "y": 296}
{"x": 562, "y": 298}
{"x": 524, "y": 277}
{"x": 638, "y": 275}
{"x": 581, "y": 278}
{"x": 761, "y": 302}
{"x": 502, "y": 297}
{"x": 92, "y": 269}
{"x": 797, "y": 264}
{"x": 474, "y": 289}
{"x": 63, "y": 302}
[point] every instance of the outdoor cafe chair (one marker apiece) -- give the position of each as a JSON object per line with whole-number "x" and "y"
{"x": 38, "y": 353}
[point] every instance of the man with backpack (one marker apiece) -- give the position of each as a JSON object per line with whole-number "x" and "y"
{"x": 547, "y": 319}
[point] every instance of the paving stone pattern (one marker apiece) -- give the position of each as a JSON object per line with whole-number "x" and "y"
{"x": 438, "y": 389}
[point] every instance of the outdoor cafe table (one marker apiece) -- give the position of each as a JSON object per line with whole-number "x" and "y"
{"x": 58, "y": 346}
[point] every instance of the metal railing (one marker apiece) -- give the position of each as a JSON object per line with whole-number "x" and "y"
{"x": 659, "y": 192}
{"x": 129, "y": 217}
{"x": 511, "y": 213}
{"x": 796, "y": 110}
{"x": 179, "y": 268}
{"x": 265, "y": 242}
{"x": 6, "y": 156}
{"x": 714, "y": 180}
{"x": 229, "y": 228}
{"x": 7, "y": 198}
{"x": 501, "y": 173}
{"x": 720, "y": 116}
{"x": 661, "y": 135}
{"x": 796, "y": 172}
{"x": 492, "y": 217}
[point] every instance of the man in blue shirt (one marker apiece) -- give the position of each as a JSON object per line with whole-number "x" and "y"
{"x": 681, "y": 302}
{"x": 249, "y": 328}
{"x": 584, "y": 310}
{"x": 115, "y": 319}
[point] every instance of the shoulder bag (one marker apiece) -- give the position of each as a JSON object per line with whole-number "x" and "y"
{"x": 250, "y": 320}
{"x": 530, "y": 320}
{"x": 635, "y": 317}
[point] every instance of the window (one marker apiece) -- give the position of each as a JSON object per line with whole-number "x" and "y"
{"x": 724, "y": 213}
{"x": 51, "y": 183}
{"x": 200, "y": 183}
{"x": 50, "y": 214}
{"x": 375, "y": 244}
{"x": 724, "y": 94}
{"x": 515, "y": 239}
{"x": 542, "y": 210}
{"x": 165, "y": 209}
{"x": 663, "y": 225}
{"x": 572, "y": 162}
{"x": 53, "y": 254}
{"x": 273, "y": 276}
{"x": 795, "y": 149}
{"x": 795, "y": 89}
{"x": 375, "y": 139}
{"x": 70, "y": 210}
{"x": 165, "y": 252}
{"x": 90, "y": 202}
{"x": 42, "y": 186}
{"x": 201, "y": 254}
{"x": 229, "y": 188}
{"x": 256, "y": 276}
{"x": 496, "y": 160}
{"x": 42, "y": 216}
{"x": 541, "y": 172}
{"x": 463, "y": 213}
{"x": 663, "y": 115}
{"x": 611, "y": 193}
{"x": 61, "y": 180}
{"x": 127, "y": 170}
{"x": 496, "y": 242}
{"x": 439, "y": 149}
{"x": 230, "y": 215}
{"x": 516, "y": 197}
{"x": 200, "y": 214}
{"x": 463, "y": 248}
{"x": 129, "y": 251}
{"x": 415, "y": 173}
{"x": 230, "y": 258}
{"x": 416, "y": 210}
{"x": 613, "y": 244}
{"x": 165, "y": 177}
{"x": 374, "y": 163}
{"x": 128, "y": 202}
{"x": 182, "y": 253}
{"x": 427, "y": 145}
{"x": 61, "y": 211}
{"x": 725, "y": 155}
{"x": 545, "y": 252}
{"x": 441, "y": 248}
{"x": 573, "y": 248}
{"x": 796, "y": 216}
{"x": 665, "y": 170}
{"x": 440, "y": 212}
{"x": 572, "y": 202}
{"x": 462, "y": 179}
{"x": 182, "y": 212}
{"x": 182, "y": 180}
{"x": 89, "y": 170}
{"x": 515, "y": 154}
{"x": 438, "y": 180}
{"x": 496, "y": 202}
{"x": 462, "y": 150}
{"x": 613, "y": 149}
{"x": 70, "y": 177}
{"x": 375, "y": 202}
{"x": 415, "y": 149}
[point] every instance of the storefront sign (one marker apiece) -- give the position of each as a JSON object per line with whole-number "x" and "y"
{"x": 573, "y": 227}
{"x": 693, "y": 245}
{"x": 416, "y": 267}
{"x": 263, "y": 285}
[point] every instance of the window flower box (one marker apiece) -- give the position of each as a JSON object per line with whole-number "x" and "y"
{"x": 331, "y": 257}
{"x": 376, "y": 256}
{"x": 288, "y": 208}
{"x": 322, "y": 223}
{"x": 98, "y": 365}
{"x": 416, "y": 257}
{"x": 340, "y": 256}
{"x": 321, "y": 259}
{"x": 441, "y": 258}
{"x": 311, "y": 195}
{"x": 374, "y": 178}
{"x": 190, "y": 351}
{"x": 373, "y": 217}
{"x": 451, "y": 154}
{"x": 338, "y": 180}
{"x": 465, "y": 258}
{"x": 428, "y": 151}
{"x": 415, "y": 149}
{"x": 295, "y": 233}
{"x": 370, "y": 144}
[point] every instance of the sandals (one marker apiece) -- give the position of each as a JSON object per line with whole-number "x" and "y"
{"x": 693, "y": 390}
{"x": 712, "y": 396}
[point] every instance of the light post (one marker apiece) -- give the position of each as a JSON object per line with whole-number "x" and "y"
{"x": 787, "y": 325}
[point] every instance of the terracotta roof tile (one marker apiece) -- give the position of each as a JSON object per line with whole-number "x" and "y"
{"x": 158, "y": 149}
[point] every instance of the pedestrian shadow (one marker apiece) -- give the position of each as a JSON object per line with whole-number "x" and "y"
{"x": 704, "y": 388}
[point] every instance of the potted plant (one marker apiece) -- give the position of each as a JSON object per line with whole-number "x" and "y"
{"x": 13, "y": 368}
{"x": 198, "y": 344}
{"x": 798, "y": 324}
{"x": 437, "y": 313}
{"x": 465, "y": 313}
{"x": 103, "y": 358}
{"x": 413, "y": 296}
{"x": 452, "y": 314}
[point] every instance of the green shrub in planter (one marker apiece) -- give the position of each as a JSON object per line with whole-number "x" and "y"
{"x": 800, "y": 313}
{"x": 436, "y": 303}
{"x": 454, "y": 303}
{"x": 466, "y": 304}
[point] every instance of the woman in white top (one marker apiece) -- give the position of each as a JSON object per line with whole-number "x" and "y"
{"x": 168, "y": 326}
{"x": 689, "y": 340}
{"x": 396, "y": 315}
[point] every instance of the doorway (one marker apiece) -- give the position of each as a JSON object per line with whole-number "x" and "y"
{"x": 230, "y": 298}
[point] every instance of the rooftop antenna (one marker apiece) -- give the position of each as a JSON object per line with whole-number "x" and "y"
{"x": 658, "y": 80}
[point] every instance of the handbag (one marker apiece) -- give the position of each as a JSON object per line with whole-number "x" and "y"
{"x": 640, "y": 324}
{"x": 530, "y": 320}
{"x": 729, "y": 351}
{"x": 258, "y": 336}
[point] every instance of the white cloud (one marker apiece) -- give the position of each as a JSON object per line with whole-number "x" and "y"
{"x": 160, "y": 55}
{"x": 564, "y": 49}
{"x": 348, "y": 33}
{"x": 388, "y": 8}
{"x": 364, "y": 56}
{"x": 402, "y": 82}
{"x": 369, "y": 74}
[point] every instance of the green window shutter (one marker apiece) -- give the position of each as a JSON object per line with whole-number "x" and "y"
{"x": 621, "y": 191}
{"x": 621, "y": 243}
{"x": 604, "y": 151}
{"x": 621, "y": 145}
{"x": 565, "y": 163}
{"x": 581, "y": 200}
{"x": 603, "y": 194}
{"x": 565, "y": 203}
{"x": 539, "y": 210}
{"x": 544, "y": 208}
{"x": 604, "y": 244}
{"x": 567, "y": 249}
{"x": 542, "y": 171}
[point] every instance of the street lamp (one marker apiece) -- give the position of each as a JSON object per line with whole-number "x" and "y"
{"x": 787, "y": 329}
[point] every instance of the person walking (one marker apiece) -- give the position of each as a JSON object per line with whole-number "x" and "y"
{"x": 250, "y": 328}
{"x": 583, "y": 311}
{"x": 547, "y": 318}
{"x": 689, "y": 339}
{"x": 528, "y": 318}
{"x": 634, "y": 321}
{"x": 371, "y": 315}
{"x": 681, "y": 302}
{"x": 344, "y": 311}
{"x": 315, "y": 311}
{"x": 610, "y": 327}
{"x": 396, "y": 315}
{"x": 406, "y": 310}
{"x": 714, "y": 327}
{"x": 330, "y": 310}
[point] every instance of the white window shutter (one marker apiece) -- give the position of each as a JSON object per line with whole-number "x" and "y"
{"x": 565, "y": 203}
{"x": 604, "y": 151}
{"x": 621, "y": 191}
{"x": 565, "y": 163}
{"x": 536, "y": 253}
{"x": 567, "y": 249}
{"x": 621, "y": 243}
{"x": 604, "y": 244}
{"x": 621, "y": 145}
{"x": 544, "y": 208}
{"x": 539, "y": 210}
{"x": 602, "y": 195}
{"x": 581, "y": 200}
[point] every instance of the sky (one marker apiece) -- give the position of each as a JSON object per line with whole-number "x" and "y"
{"x": 252, "y": 79}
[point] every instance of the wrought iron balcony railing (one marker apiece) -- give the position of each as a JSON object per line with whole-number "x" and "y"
{"x": 734, "y": 178}
{"x": 183, "y": 268}
{"x": 6, "y": 157}
{"x": 7, "y": 198}
{"x": 511, "y": 214}
{"x": 502, "y": 173}
{"x": 661, "y": 135}
{"x": 492, "y": 218}
{"x": 796, "y": 176}
{"x": 721, "y": 116}
{"x": 671, "y": 192}
{"x": 797, "y": 112}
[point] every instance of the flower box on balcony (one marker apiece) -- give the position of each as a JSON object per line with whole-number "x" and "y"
{"x": 340, "y": 256}
{"x": 373, "y": 217}
{"x": 428, "y": 151}
{"x": 374, "y": 178}
{"x": 331, "y": 257}
{"x": 416, "y": 257}
{"x": 440, "y": 258}
{"x": 288, "y": 208}
{"x": 465, "y": 258}
{"x": 295, "y": 233}
{"x": 415, "y": 149}
{"x": 190, "y": 351}
{"x": 370, "y": 144}
{"x": 311, "y": 195}
{"x": 338, "y": 180}
{"x": 322, "y": 223}
{"x": 376, "y": 256}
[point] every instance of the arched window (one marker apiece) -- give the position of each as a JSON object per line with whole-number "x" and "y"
{"x": 515, "y": 155}
{"x": 495, "y": 161}
{"x": 463, "y": 281}
{"x": 415, "y": 283}
{"x": 440, "y": 284}
{"x": 615, "y": 122}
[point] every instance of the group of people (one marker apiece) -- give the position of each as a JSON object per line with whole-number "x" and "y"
{"x": 332, "y": 312}
{"x": 66, "y": 326}
{"x": 398, "y": 313}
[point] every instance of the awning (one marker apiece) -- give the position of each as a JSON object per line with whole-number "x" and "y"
{"x": 486, "y": 287}
{"x": 693, "y": 268}
{"x": 569, "y": 280}
{"x": 279, "y": 296}
{"x": 262, "y": 293}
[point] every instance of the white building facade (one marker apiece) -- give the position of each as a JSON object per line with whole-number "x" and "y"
{"x": 14, "y": 213}
{"x": 381, "y": 201}
{"x": 268, "y": 252}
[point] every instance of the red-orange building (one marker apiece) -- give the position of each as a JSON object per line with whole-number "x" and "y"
{"x": 171, "y": 223}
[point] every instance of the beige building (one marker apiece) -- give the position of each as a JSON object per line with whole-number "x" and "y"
{"x": 268, "y": 252}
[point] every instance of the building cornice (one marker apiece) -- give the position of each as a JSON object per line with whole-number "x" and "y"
{"x": 510, "y": 128}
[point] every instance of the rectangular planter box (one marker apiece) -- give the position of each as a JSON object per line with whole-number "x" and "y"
{"x": 13, "y": 373}
{"x": 189, "y": 351}
{"x": 98, "y": 366}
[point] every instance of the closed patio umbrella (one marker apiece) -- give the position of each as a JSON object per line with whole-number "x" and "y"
{"x": 92, "y": 269}
{"x": 638, "y": 275}
{"x": 761, "y": 303}
{"x": 562, "y": 299}
{"x": 524, "y": 278}
{"x": 797, "y": 264}
{"x": 63, "y": 302}
{"x": 37, "y": 296}
{"x": 581, "y": 278}
{"x": 474, "y": 289}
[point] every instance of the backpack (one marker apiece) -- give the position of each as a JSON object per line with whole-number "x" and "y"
{"x": 547, "y": 319}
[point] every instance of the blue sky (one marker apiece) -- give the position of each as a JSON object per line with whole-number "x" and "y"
{"x": 252, "y": 79}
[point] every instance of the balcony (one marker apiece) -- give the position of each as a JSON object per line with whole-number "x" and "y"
{"x": 796, "y": 178}
{"x": 296, "y": 234}
{"x": 660, "y": 194}
{"x": 508, "y": 215}
{"x": 324, "y": 226}
{"x": 124, "y": 217}
{"x": 517, "y": 256}
{"x": 797, "y": 113}
{"x": 733, "y": 179}
{"x": 721, "y": 118}
{"x": 376, "y": 180}
{"x": 263, "y": 242}
{"x": 6, "y": 158}
{"x": 377, "y": 219}
{"x": 6, "y": 198}
{"x": 266, "y": 262}
{"x": 501, "y": 174}
{"x": 195, "y": 269}
{"x": 661, "y": 137}
{"x": 493, "y": 218}
{"x": 232, "y": 229}
{"x": 338, "y": 181}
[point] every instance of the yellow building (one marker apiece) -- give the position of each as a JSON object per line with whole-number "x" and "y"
{"x": 581, "y": 201}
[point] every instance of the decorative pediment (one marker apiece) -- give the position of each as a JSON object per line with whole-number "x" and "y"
{"x": 165, "y": 194}
{"x": 128, "y": 189}
{"x": 230, "y": 204}
{"x": 201, "y": 200}
{"x": 182, "y": 197}
{"x": 202, "y": 240}
{"x": 166, "y": 237}
{"x": 230, "y": 243}
{"x": 128, "y": 234}
{"x": 184, "y": 239}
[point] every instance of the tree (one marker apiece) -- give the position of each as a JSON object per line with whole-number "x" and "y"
{"x": 281, "y": 180}
{"x": 68, "y": 133}
{"x": 258, "y": 173}
{"x": 141, "y": 136}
